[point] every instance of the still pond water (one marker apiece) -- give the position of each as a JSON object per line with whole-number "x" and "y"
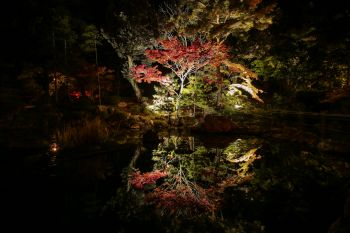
{"x": 185, "y": 183}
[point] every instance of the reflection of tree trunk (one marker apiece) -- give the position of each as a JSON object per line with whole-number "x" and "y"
{"x": 133, "y": 161}
{"x": 217, "y": 161}
{"x": 218, "y": 153}
{"x": 132, "y": 81}
{"x": 135, "y": 157}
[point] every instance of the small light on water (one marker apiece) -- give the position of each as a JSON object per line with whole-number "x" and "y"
{"x": 54, "y": 147}
{"x": 53, "y": 151}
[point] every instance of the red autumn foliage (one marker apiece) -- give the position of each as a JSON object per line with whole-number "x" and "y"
{"x": 139, "y": 180}
{"x": 90, "y": 71}
{"x": 75, "y": 94}
{"x": 185, "y": 59}
{"x": 253, "y": 3}
{"x": 181, "y": 58}
{"x": 142, "y": 73}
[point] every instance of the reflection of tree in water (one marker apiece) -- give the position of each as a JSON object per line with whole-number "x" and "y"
{"x": 227, "y": 189}
{"x": 189, "y": 179}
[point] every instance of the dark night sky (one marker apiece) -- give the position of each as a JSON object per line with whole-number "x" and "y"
{"x": 24, "y": 22}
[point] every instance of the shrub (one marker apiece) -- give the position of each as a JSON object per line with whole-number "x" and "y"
{"x": 82, "y": 133}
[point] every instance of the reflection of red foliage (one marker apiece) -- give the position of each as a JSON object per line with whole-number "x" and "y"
{"x": 181, "y": 198}
{"x": 139, "y": 180}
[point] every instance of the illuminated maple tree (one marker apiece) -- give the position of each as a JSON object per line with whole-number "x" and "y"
{"x": 182, "y": 58}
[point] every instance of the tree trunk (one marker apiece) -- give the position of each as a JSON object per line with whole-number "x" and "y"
{"x": 219, "y": 92}
{"x": 130, "y": 64}
{"x": 134, "y": 85}
{"x": 219, "y": 95}
{"x": 65, "y": 51}
{"x": 55, "y": 65}
{"x": 97, "y": 73}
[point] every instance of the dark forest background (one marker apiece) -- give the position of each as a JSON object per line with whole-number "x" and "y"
{"x": 302, "y": 60}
